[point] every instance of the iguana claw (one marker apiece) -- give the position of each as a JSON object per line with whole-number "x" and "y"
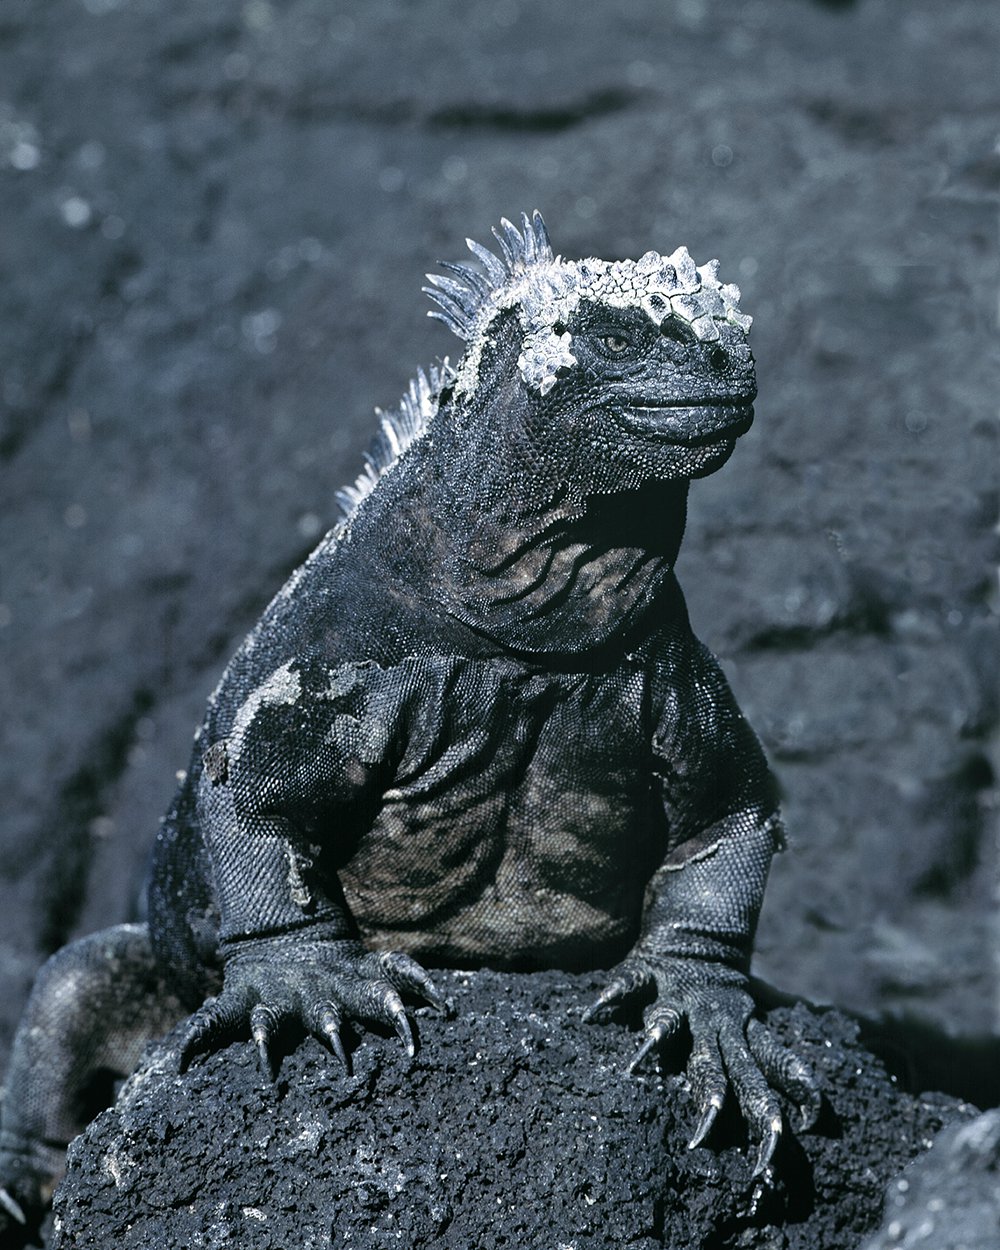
{"x": 404, "y": 1030}
{"x": 327, "y": 1024}
{"x": 706, "y": 1122}
{"x": 729, "y": 1050}
{"x": 216, "y": 1019}
{"x": 264, "y": 1023}
{"x": 766, "y": 1149}
{"x": 12, "y": 1207}
{"x": 651, "y": 1041}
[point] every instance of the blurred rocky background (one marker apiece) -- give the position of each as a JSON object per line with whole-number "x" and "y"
{"x": 214, "y": 222}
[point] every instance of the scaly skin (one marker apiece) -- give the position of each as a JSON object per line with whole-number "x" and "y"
{"x": 475, "y": 727}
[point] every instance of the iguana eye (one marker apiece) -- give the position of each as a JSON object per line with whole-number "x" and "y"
{"x": 718, "y": 359}
{"x": 616, "y": 344}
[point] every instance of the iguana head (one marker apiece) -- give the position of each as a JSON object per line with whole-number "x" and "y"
{"x": 632, "y": 370}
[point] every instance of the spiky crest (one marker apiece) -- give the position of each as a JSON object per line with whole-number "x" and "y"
{"x": 464, "y": 297}
{"x": 545, "y": 290}
{"x": 398, "y": 431}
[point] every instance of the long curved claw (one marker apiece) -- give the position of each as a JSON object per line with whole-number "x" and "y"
{"x": 706, "y": 1121}
{"x": 651, "y": 1040}
{"x": 197, "y": 1035}
{"x": 264, "y": 1023}
{"x": 327, "y": 1025}
{"x": 810, "y": 1107}
{"x": 661, "y": 1023}
{"x": 12, "y": 1207}
{"x": 610, "y": 994}
{"x": 786, "y": 1072}
{"x": 217, "y": 1017}
{"x": 406, "y": 974}
{"x": 403, "y": 1029}
{"x": 629, "y": 980}
{"x": 708, "y": 1081}
{"x": 766, "y": 1149}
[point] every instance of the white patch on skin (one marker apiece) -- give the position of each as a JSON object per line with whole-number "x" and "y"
{"x": 546, "y": 290}
{"x": 298, "y": 866}
{"x": 283, "y": 686}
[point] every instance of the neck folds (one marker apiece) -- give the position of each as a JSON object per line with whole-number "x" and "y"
{"x": 566, "y": 580}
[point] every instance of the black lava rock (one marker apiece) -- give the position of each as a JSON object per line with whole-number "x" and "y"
{"x": 517, "y": 1126}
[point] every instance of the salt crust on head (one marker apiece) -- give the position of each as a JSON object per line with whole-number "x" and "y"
{"x": 544, "y": 291}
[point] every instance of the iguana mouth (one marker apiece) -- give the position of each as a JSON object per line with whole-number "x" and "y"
{"x": 691, "y": 424}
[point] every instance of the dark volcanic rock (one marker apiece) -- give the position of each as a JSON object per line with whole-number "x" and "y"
{"x": 217, "y": 217}
{"x": 516, "y": 1126}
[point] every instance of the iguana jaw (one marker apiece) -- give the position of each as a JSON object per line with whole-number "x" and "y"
{"x": 689, "y": 424}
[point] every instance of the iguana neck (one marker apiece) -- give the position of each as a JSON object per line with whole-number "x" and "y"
{"x": 558, "y": 583}
{"x": 493, "y": 542}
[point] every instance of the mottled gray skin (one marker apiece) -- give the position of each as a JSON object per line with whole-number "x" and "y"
{"x": 474, "y": 728}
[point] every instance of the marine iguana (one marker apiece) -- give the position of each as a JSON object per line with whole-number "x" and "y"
{"x": 475, "y": 727}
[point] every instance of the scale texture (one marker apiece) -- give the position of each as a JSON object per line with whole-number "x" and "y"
{"x": 474, "y": 728}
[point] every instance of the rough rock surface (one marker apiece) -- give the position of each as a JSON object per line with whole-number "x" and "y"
{"x": 216, "y": 221}
{"x": 949, "y": 1198}
{"x": 516, "y": 1126}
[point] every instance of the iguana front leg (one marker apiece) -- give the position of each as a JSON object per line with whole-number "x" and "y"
{"x": 307, "y": 752}
{"x": 694, "y": 949}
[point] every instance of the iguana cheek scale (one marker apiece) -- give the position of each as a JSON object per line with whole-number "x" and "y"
{"x": 474, "y": 727}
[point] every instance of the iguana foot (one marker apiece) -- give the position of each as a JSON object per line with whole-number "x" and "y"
{"x": 319, "y": 983}
{"x": 729, "y": 1047}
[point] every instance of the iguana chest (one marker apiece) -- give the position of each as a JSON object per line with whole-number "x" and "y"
{"x": 521, "y": 823}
